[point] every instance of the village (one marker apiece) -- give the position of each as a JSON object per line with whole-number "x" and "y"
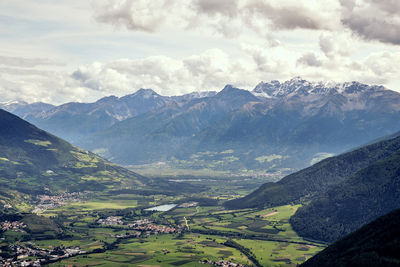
{"x": 12, "y": 226}
{"x": 29, "y": 255}
{"x": 142, "y": 227}
{"x": 48, "y": 201}
{"x": 19, "y": 255}
{"x": 222, "y": 263}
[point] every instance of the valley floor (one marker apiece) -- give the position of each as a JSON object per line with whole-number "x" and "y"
{"x": 117, "y": 230}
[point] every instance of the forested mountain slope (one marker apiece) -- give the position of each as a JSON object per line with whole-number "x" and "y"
{"x": 317, "y": 179}
{"x": 374, "y": 244}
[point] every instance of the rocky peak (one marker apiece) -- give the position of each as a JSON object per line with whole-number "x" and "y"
{"x": 300, "y": 87}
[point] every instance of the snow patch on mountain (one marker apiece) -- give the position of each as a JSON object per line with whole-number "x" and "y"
{"x": 300, "y": 87}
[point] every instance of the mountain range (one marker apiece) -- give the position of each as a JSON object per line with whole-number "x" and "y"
{"x": 273, "y": 127}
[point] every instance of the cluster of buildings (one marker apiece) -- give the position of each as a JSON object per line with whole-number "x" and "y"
{"x": 140, "y": 226}
{"x": 222, "y": 263}
{"x": 31, "y": 256}
{"x": 111, "y": 220}
{"x": 12, "y": 226}
{"x": 55, "y": 201}
{"x": 153, "y": 229}
{"x": 140, "y": 222}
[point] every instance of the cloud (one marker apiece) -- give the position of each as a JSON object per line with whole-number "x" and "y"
{"x": 370, "y": 19}
{"x": 285, "y": 17}
{"x": 373, "y": 19}
{"x": 50, "y": 87}
{"x": 27, "y": 62}
{"x": 390, "y": 6}
{"x": 268, "y": 60}
{"x": 383, "y": 65}
{"x": 23, "y": 72}
{"x": 213, "y": 69}
{"x": 210, "y": 70}
{"x": 212, "y": 7}
{"x": 336, "y": 45}
{"x": 348, "y": 4}
{"x": 175, "y": 47}
{"x": 134, "y": 15}
{"x": 216, "y": 16}
{"x": 309, "y": 59}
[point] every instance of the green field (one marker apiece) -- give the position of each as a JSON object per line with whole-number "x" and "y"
{"x": 165, "y": 250}
{"x": 99, "y": 205}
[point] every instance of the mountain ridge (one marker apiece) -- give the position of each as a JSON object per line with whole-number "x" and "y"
{"x": 362, "y": 197}
{"x": 303, "y": 120}
{"x": 33, "y": 162}
{"x": 315, "y": 180}
{"x": 374, "y": 244}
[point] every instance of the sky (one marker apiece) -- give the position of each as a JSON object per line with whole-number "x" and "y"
{"x": 82, "y": 50}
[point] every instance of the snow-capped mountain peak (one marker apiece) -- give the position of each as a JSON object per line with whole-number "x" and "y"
{"x": 298, "y": 86}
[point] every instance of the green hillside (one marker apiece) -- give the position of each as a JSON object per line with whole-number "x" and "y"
{"x": 375, "y": 244}
{"x": 359, "y": 199}
{"x": 313, "y": 181}
{"x": 34, "y": 162}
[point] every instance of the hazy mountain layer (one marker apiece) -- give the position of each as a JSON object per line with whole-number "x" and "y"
{"x": 159, "y": 135}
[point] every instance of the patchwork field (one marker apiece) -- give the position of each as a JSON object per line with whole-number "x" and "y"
{"x": 165, "y": 250}
{"x": 266, "y": 234}
{"x": 101, "y": 228}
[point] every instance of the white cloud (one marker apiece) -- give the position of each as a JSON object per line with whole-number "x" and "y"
{"x": 50, "y": 87}
{"x": 382, "y": 67}
{"x": 269, "y": 60}
{"x": 210, "y": 70}
{"x": 336, "y": 45}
